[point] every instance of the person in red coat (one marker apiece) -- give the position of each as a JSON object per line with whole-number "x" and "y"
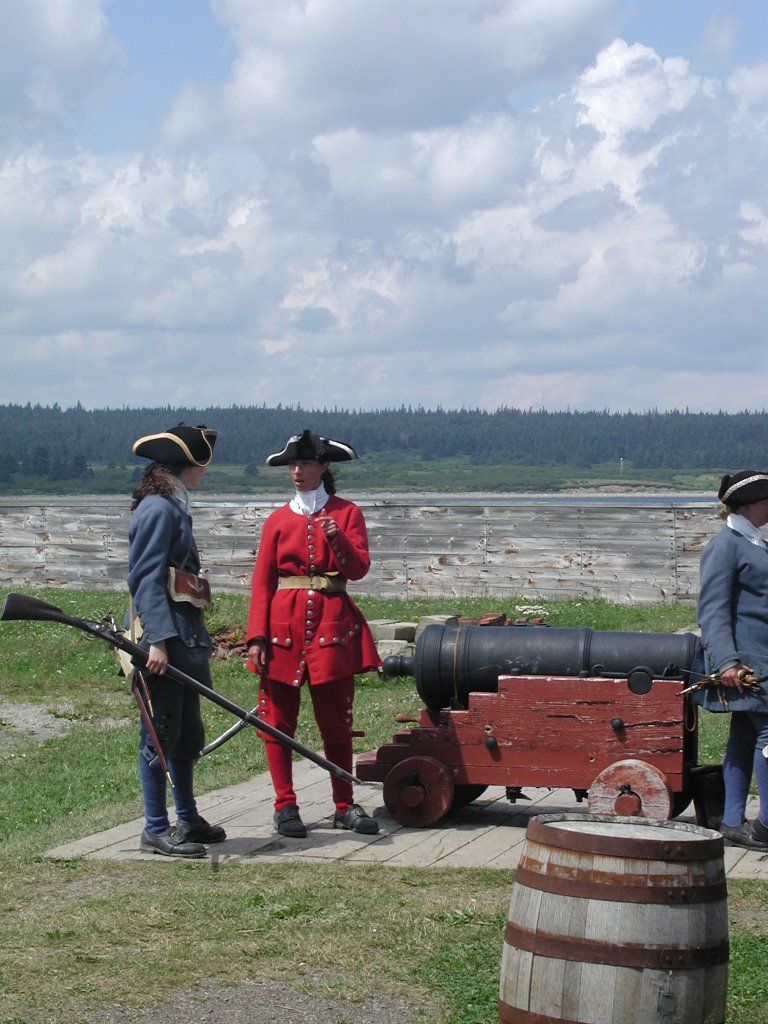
{"x": 304, "y": 628}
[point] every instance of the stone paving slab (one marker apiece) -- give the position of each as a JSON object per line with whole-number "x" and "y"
{"x": 488, "y": 833}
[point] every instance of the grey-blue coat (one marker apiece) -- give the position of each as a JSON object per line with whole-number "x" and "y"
{"x": 160, "y": 535}
{"x": 733, "y": 614}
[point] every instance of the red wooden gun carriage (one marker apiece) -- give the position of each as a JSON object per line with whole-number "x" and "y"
{"x": 601, "y": 713}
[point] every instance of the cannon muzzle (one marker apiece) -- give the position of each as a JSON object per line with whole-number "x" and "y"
{"x": 450, "y": 662}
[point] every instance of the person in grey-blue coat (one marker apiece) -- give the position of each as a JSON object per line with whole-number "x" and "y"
{"x": 733, "y": 614}
{"x": 169, "y": 608}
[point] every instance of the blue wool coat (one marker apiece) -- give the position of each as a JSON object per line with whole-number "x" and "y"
{"x": 160, "y": 535}
{"x": 733, "y": 614}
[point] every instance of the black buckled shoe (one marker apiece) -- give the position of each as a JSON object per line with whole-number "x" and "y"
{"x": 171, "y": 843}
{"x": 288, "y": 823}
{"x": 356, "y": 820}
{"x": 743, "y": 835}
{"x": 201, "y": 831}
{"x": 759, "y": 833}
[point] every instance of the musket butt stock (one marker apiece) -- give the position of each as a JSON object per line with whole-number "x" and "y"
{"x": 20, "y": 606}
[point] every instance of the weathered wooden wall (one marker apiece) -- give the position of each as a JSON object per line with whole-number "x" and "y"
{"x": 629, "y": 553}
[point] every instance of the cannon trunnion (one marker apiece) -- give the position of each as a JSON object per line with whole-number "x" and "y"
{"x": 596, "y": 712}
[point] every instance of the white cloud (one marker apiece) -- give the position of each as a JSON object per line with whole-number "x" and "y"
{"x": 720, "y": 34}
{"x": 449, "y": 203}
{"x": 758, "y": 221}
{"x": 52, "y": 54}
{"x": 629, "y": 88}
{"x": 327, "y": 66}
{"x": 749, "y": 86}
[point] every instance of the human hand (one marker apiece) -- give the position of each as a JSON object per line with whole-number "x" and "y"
{"x": 329, "y": 526}
{"x": 157, "y": 659}
{"x": 257, "y": 654}
{"x": 735, "y": 676}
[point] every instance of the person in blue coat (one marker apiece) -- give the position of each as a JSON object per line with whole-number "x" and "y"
{"x": 733, "y": 614}
{"x": 169, "y": 607}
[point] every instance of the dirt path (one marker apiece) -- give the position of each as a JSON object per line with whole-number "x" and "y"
{"x": 267, "y": 1002}
{"x": 21, "y": 722}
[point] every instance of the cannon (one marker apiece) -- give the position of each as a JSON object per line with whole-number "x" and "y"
{"x": 598, "y": 712}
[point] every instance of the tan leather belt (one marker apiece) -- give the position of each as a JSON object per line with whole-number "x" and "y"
{"x": 331, "y": 583}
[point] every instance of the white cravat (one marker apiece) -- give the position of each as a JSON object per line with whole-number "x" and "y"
{"x": 181, "y": 494}
{"x": 306, "y": 503}
{"x": 743, "y": 526}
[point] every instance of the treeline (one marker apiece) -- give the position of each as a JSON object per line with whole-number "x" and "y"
{"x": 48, "y": 441}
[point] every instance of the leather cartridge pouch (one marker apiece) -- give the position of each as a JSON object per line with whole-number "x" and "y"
{"x": 186, "y": 586}
{"x": 330, "y": 582}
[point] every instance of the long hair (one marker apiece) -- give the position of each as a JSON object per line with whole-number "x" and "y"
{"x": 329, "y": 481}
{"x": 156, "y": 479}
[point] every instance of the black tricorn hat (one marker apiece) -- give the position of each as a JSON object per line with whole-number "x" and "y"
{"x": 310, "y": 447}
{"x": 178, "y": 446}
{"x": 743, "y": 488}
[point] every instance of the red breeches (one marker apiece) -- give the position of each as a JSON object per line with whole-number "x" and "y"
{"x": 332, "y": 705}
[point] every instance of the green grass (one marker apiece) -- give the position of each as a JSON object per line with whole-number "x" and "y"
{"x": 80, "y": 936}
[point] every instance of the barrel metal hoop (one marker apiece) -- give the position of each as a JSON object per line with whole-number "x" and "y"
{"x": 514, "y": 1015}
{"x": 543, "y": 830}
{"x": 580, "y": 884}
{"x": 509, "y": 1014}
{"x": 625, "y": 955}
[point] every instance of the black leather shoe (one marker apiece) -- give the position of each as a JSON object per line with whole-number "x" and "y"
{"x": 742, "y": 835}
{"x": 200, "y": 831}
{"x": 356, "y": 820}
{"x": 759, "y": 832}
{"x": 288, "y": 823}
{"x": 171, "y": 844}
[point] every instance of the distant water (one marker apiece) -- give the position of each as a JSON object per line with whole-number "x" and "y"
{"x": 499, "y": 500}
{"x": 699, "y": 500}
{"x": 390, "y": 498}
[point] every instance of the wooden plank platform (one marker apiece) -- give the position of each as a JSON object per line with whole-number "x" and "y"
{"x": 489, "y": 833}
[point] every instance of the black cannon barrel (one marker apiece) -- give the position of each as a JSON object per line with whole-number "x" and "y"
{"x": 450, "y": 662}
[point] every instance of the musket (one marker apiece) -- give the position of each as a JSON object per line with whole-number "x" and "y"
{"x": 233, "y": 730}
{"x": 21, "y": 607}
{"x": 749, "y": 682}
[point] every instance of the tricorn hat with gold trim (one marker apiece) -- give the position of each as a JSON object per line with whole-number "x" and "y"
{"x": 743, "y": 488}
{"x": 178, "y": 446}
{"x": 310, "y": 447}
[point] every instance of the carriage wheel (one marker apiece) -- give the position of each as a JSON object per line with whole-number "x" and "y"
{"x": 465, "y": 794}
{"x": 631, "y": 787}
{"x": 418, "y": 791}
{"x": 680, "y": 802}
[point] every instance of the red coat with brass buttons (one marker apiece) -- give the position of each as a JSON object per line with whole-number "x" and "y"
{"x": 310, "y": 633}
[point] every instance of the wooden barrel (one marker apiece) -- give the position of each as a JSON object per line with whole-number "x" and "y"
{"x": 616, "y": 920}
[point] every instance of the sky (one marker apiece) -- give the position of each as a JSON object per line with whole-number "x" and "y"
{"x": 365, "y": 204}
